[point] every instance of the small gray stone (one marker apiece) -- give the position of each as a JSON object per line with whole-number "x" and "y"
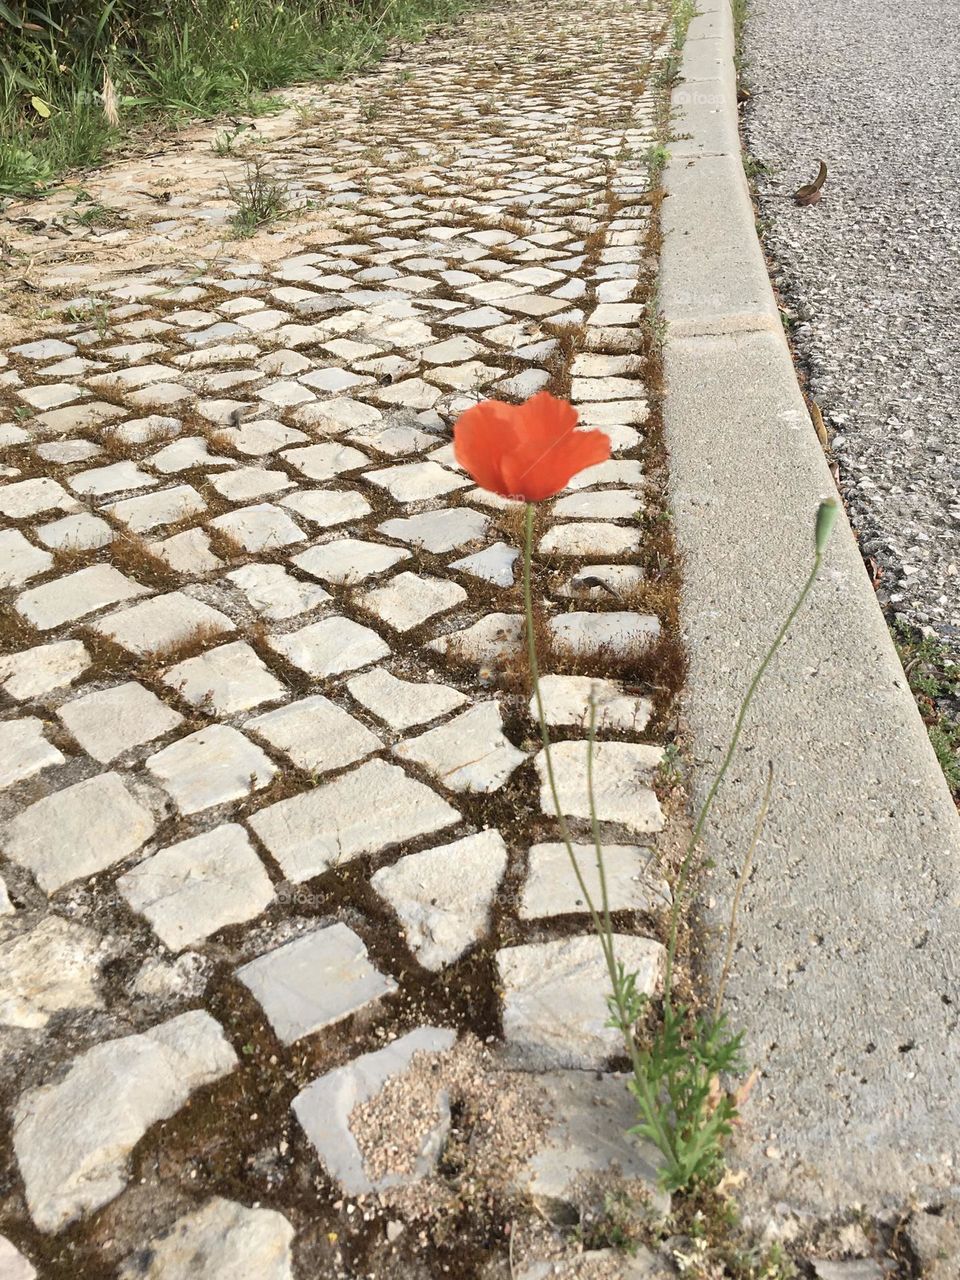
{"x": 212, "y": 766}
{"x": 222, "y": 1240}
{"x": 603, "y": 633}
{"x": 437, "y": 531}
{"x": 555, "y": 998}
{"x": 854, "y": 1269}
{"x": 314, "y": 981}
{"x": 590, "y": 538}
{"x": 82, "y": 532}
{"x": 327, "y": 507}
{"x": 324, "y": 1109}
{"x": 78, "y": 831}
{"x": 496, "y": 635}
{"x": 32, "y": 497}
{"x": 190, "y": 890}
{"x": 111, "y": 721}
{"x": 153, "y": 510}
{"x": 493, "y": 564}
{"x": 363, "y": 811}
{"x": 72, "y": 1139}
{"x": 442, "y": 896}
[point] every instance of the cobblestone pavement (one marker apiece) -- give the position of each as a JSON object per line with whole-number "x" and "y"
{"x": 872, "y": 269}
{"x": 274, "y": 833}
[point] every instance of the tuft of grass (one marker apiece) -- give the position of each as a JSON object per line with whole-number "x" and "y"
{"x": 260, "y": 199}
{"x": 77, "y": 80}
{"x": 934, "y": 679}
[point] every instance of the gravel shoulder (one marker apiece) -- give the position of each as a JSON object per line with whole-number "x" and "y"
{"x": 871, "y": 272}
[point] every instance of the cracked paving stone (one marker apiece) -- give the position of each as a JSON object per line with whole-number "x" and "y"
{"x": 314, "y": 981}
{"x": 189, "y": 890}
{"x": 409, "y": 599}
{"x": 75, "y": 595}
{"x": 45, "y": 969}
{"x": 325, "y": 1106}
{"x": 363, "y": 811}
{"x": 225, "y": 680}
{"x": 153, "y": 510}
{"x": 263, "y": 527}
{"x": 403, "y": 704}
{"x": 330, "y": 646}
{"x": 623, "y": 773}
{"x": 555, "y": 999}
{"x": 72, "y": 1139}
{"x": 111, "y": 721}
{"x": 443, "y": 895}
{"x": 566, "y": 701}
{"x": 78, "y": 831}
{"x": 212, "y": 766}
{"x": 162, "y": 623}
{"x": 316, "y": 734}
{"x": 348, "y": 560}
{"x": 551, "y": 888}
{"x": 602, "y": 633}
{"x": 24, "y": 751}
{"x": 468, "y": 753}
{"x": 325, "y": 461}
{"x": 416, "y": 481}
{"x": 275, "y": 593}
{"x": 220, "y": 1240}
{"x": 437, "y": 531}
{"x": 20, "y": 560}
{"x": 38, "y": 671}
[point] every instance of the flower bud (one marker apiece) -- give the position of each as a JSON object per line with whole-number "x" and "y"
{"x": 826, "y": 518}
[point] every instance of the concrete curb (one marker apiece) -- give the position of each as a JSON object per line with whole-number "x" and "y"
{"x": 846, "y": 973}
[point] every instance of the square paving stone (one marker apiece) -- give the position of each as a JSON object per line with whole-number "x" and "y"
{"x": 247, "y": 483}
{"x": 75, "y": 595}
{"x": 551, "y": 889}
{"x": 226, "y": 680}
{"x": 260, "y": 528}
{"x": 324, "y": 461}
{"x": 402, "y": 704}
{"x": 78, "y": 831}
{"x": 348, "y": 560}
{"x": 153, "y": 510}
{"x": 191, "y": 889}
{"x": 212, "y": 766}
{"x": 81, "y": 532}
{"x": 566, "y": 701}
{"x": 362, "y": 811}
{"x": 622, "y": 774}
{"x": 115, "y": 478}
{"x": 162, "y": 623}
{"x": 24, "y": 750}
{"x": 330, "y": 646}
{"x": 275, "y": 593}
{"x": 468, "y": 753}
{"x": 314, "y": 981}
{"x": 111, "y": 721}
{"x": 590, "y": 538}
{"x": 602, "y": 633}
{"x": 416, "y": 481}
{"x": 316, "y": 734}
{"x": 26, "y": 498}
{"x": 327, "y": 507}
{"x": 20, "y": 560}
{"x": 409, "y": 599}
{"x": 33, "y": 672}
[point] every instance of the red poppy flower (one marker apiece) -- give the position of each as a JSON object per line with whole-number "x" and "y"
{"x": 527, "y": 451}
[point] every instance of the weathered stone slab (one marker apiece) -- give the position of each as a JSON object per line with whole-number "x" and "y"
{"x": 78, "y": 831}
{"x": 622, "y": 774}
{"x": 20, "y": 560}
{"x": 437, "y": 531}
{"x": 111, "y": 721}
{"x": 163, "y": 623}
{"x": 190, "y": 890}
{"x": 324, "y": 1109}
{"x": 24, "y": 750}
{"x": 363, "y": 811}
{"x": 555, "y": 999}
{"x": 33, "y": 672}
{"x": 43, "y": 970}
{"x": 330, "y": 646}
{"x": 552, "y": 889}
{"x": 566, "y": 701}
{"x": 468, "y": 753}
{"x": 275, "y": 593}
{"x": 603, "y": 633}
{"x": 314, "y": 981}
{"x": 497, "y": 635}
{"x": 409, "y": 599}
{"x": 72, "y": 1139}
{"x": 402, "y": 704}
{"x": 75, "y": 595}
{"x": 442, "y": 896}
{"x": 349, "y": 560}
{"x": 227, "y": 679}
{"x": 316, "y": 734}
{"x": 221, "y": 1239}
{"x": 212, "y": 766}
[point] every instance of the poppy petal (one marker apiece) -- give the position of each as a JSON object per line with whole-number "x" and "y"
{"x": 549, "y": 450}
{"x": 481, "y": 437}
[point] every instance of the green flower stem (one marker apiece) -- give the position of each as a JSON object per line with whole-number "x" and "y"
{"x": 649, "y": 1102}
